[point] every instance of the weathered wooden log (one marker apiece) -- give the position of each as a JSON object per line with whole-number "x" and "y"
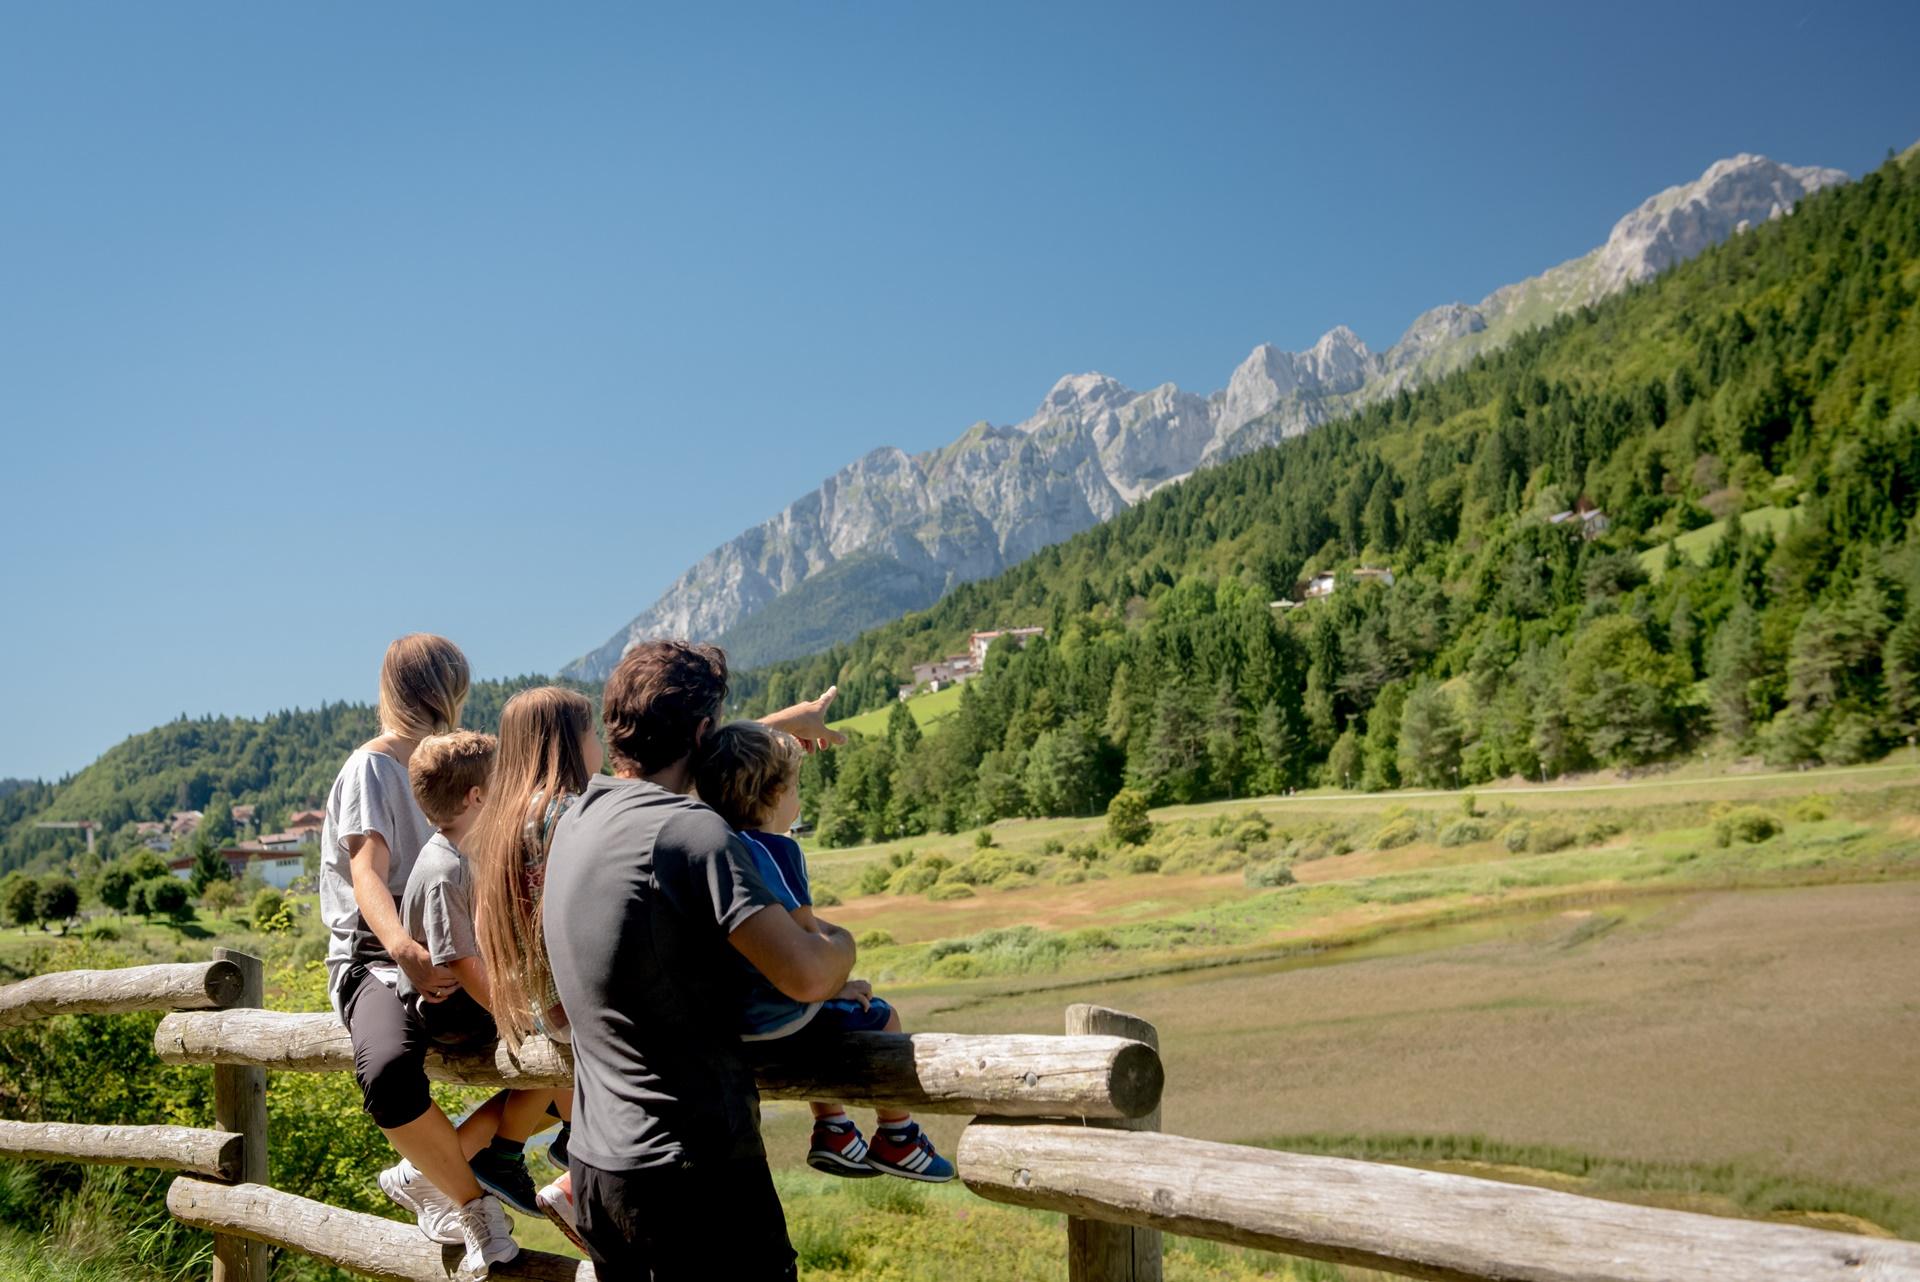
{"x": 1099, "y": 1251}
{"x": 994, "y": 1076}
{"x": 240, "y": 1106}
{"x": 1422, "y": 1224}
{"x": 167, "y": 1148}
{"x": 175, "y": 986}
{"x": 391, "y": 1250}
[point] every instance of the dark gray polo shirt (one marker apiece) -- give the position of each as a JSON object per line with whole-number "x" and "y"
{"x": 643, "y": 888}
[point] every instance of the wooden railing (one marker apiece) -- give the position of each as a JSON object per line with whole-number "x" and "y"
{"x": 1066, "y": 1123}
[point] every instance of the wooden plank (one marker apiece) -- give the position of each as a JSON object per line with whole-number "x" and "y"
{"x": 1422, "y": 1224}
{"x": 997, "y": 1076}
{"x": 1098, "y": 1251}
{"x": 166, "y": 1148}
{"x": 240, "y": 1106}
{"x": 366, "y": 1244}
{"x": 174, "y": 986}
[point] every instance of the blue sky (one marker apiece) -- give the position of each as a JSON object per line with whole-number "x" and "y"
{"x": 325, "y": 323}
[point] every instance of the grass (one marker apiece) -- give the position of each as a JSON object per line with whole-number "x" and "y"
{"x": 1697, "y": 544}
{"x": 928, "y": 709}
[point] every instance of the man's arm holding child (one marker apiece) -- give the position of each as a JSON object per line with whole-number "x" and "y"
{"x": 808, "y": 966}
{"x": 854, "y": 990}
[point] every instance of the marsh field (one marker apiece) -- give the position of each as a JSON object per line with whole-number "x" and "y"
{"x": 1693, "y": 991}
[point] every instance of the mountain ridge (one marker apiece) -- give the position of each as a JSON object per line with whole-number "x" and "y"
{"x": 1094, "y": 446}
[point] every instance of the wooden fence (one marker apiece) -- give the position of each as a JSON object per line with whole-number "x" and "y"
{"x": 1067, "y": 1123}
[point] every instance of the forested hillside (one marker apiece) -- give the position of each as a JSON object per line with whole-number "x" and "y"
{"x": 1780, "y": 371}
{"x": 280, "y": 763}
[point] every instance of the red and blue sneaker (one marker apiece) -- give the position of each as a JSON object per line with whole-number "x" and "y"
{"x": 907, "y": 1152}
{"x": 838, "y": 1149}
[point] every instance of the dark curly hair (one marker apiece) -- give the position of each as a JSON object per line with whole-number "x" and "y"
{"x": 656, "y": 699}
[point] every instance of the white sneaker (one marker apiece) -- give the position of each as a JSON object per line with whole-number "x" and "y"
{"x": 488, "y": 1234}
{"x": 438, "y": 1214}
{"x": 556, "y": 1199}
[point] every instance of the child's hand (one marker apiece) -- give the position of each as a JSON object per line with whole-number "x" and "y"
{"x": 857, "y": 990}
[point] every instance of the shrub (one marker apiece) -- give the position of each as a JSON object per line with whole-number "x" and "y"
{"x": 1141, "y": 861}
{"x": 1516, "y": 835}
{"x": 1274, "y": 872}
{"x": 219, "y": 897}
{"x": 901, "y": 858}
{"x": 168, "y": 895}
{"x": 1401, "y": 832}
{"x": 874, "y": 878}
{"x": 104, "y": 932}
{"x": 1548, "y": 838}
{"x": 1127, "y": 821}
{"x": 1811, "y": 809}
{"x": 1464, "y": 832}
{"x": 1086, "y": 854}
{"x": 1052, "y": 846}
{"x": 950, "y": 890}
{"x": 1745, "y": 823}
{"x": 873, "y": 939}
{"x": 1469, "y": 805}
{"x": 1069, "y": 877}
{"x": 1598, "y": 831}
{"x": 912, "y": 879}
{"x": 990, "y": 867}
{"x": 270, "y": 912}
{"x": 1252, "y": 831}
{"x": 824, "y": 898}
{"x": 983, "y": 839}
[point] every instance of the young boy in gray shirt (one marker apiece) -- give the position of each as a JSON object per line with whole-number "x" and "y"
{"x": 449, "y": 774}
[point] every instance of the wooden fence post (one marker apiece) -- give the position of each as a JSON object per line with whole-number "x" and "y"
{"x": 1096, "y": 1250}
{"x": 240, "y": 1106}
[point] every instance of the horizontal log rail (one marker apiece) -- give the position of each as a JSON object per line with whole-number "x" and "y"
{"x": 1421, "y": 1224}
{"x": 167, "y": 1148}
{"x": 989, "y": 1076}
{"x": 366, "y": 1244}
{"x": 174, "y": 986}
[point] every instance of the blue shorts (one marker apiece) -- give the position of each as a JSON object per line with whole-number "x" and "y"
{"x": 839, "y": 1016}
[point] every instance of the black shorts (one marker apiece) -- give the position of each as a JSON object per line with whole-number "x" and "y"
{"x": 391, "y": 1036}
{"x": 687, "y": 1222}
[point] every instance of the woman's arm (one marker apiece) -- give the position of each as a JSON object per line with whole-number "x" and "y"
{"x": 370, "y": 861}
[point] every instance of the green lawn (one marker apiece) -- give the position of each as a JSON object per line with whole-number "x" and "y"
{"x": 927, "y": 709}
{"x": 1697, "y": 545}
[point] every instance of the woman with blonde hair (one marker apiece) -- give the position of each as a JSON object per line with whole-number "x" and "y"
{"x": 371, "y": 837}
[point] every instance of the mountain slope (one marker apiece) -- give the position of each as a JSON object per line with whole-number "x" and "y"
{"x": 1775, "y": 378}
{"x": 1094, "y": 446}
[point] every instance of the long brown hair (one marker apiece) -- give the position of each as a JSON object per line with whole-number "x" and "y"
{"x": 539, "y": 760}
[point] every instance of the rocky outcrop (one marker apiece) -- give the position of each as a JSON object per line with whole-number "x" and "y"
{"x": 1094, "y": 446}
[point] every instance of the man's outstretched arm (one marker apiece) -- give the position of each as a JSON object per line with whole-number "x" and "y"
{"x": 808, "y": 966}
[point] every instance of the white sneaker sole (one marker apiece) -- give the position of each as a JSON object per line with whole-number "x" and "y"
{"x": 551, "y": 1207}
{"x": 397, "y": 1193}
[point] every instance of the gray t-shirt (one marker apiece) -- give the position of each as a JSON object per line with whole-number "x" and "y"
{"x": 643, "y": 888}
{"x": 370, "y": 794}
{"x": 437, "y": 905}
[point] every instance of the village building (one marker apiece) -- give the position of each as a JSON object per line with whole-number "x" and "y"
{"x": 183, "y": 823}
{"x": 277, "y": 868}
{"x": 243, "y": 816}
{"x": 937, "y": 674}
{"x": 1324, "y": 583}
{"x": 154, "y": 835}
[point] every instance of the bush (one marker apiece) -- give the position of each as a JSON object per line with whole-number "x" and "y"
{"x": 1464, "y": 832}
{"x": 1401, "y": 832}
{"x": 990, "y": 867}
{"x": 1086, "y": 854}
{"x": 1252, "y": 831}
{"x": 1598, "y": 831}
{"x": 983, "y": 839}
{"x": 1274, "y": 872}
{"x": 950, "y": 890}
{"x": 1142, "y": 862}
{"x": 1127, "y": 821}
{"x": 1548, "y": 838}
{"x": 873, "y": 939}
{"x": 1811, "y": 809}
{"x": 1469, "y": 806}
{"x": 1516, "y": 836}
{"x": 168, "y": 895}
{"x": 901, "y": 858}
{"x": 874, "y": 878}
{"x": 1745, "y": 823}
{"x": 824, "y": 898}
{"x": 219, "y": 897}
{"x": 1069, "y": 877}
{"x": 270, "y": 911}
{"x": 913, "y": 879}
{"x": 1052, "y": 846}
